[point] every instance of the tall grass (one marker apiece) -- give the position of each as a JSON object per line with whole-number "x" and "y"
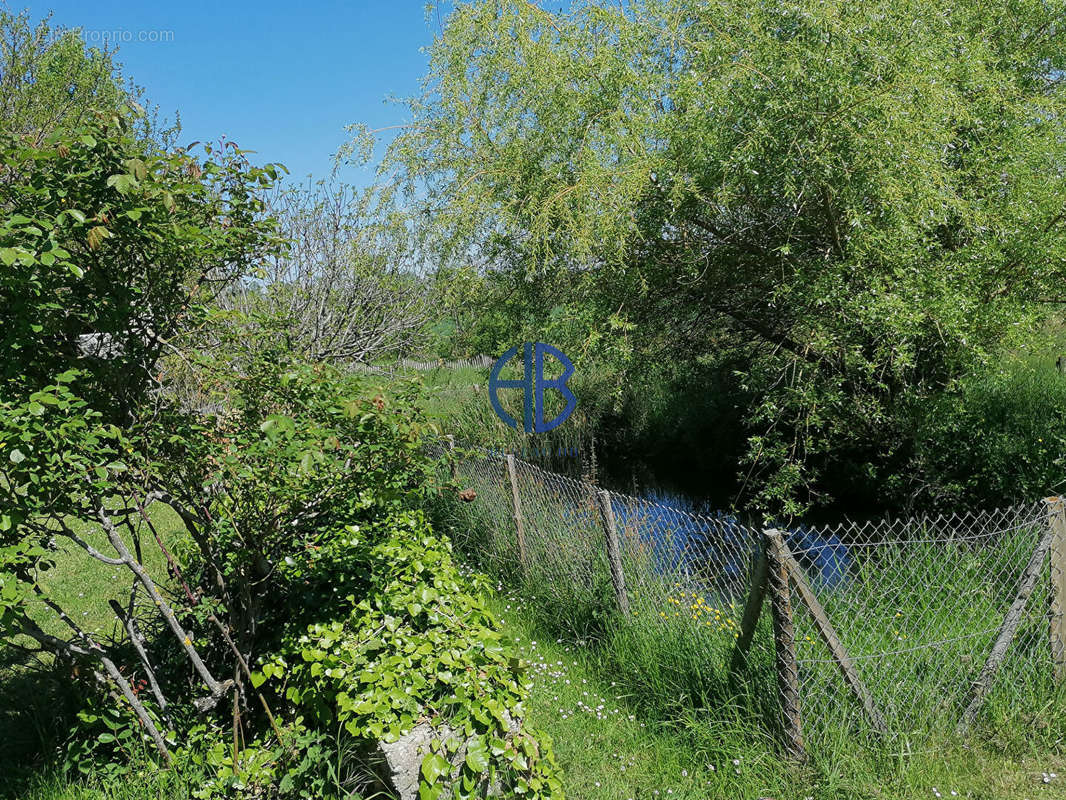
{"x": 918, "y": 617}
{"x": 611, "y": 749}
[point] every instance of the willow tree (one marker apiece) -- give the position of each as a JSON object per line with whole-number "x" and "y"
{"x": 865, "y": 200}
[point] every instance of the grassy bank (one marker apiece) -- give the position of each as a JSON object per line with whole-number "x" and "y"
{"x": 927, "y": 614}
{"x": 612, "y": 748}
{"x": 624, "y": 723}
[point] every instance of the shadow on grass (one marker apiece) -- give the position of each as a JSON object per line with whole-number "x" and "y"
{"x": 37, "y": 710}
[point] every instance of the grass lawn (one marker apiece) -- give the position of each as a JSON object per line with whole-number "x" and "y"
{"x": 35, "y": 704}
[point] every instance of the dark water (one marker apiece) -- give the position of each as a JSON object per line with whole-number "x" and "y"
{"x": 683, "y": 515}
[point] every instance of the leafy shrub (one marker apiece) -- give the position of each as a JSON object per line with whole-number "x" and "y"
{"x": 998, "y": 439}
{"x": 419, "y": 646}
{"x": 414, "y": 644}
{"x": 105, "y": 236}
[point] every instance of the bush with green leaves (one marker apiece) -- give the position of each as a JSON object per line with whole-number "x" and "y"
{"x": 104, "y": 235}
{"x": 996, "y": 440}
{"x": 416, "y": 645}
{"x": 110, "y": 246}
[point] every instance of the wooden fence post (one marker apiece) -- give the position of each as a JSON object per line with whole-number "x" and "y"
{"x": 614, "y": 555}
{"x": 1057, "y": 521}
{"x": 785, "y": 645}
{"x": 452, "y": 466}
{"x": 516, "y": 507}
{"x": 983, "y": 684}
{"x": 752, "y": 610}
{"x": 829, "y": 635}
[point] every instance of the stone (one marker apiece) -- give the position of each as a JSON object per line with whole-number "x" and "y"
{"x": 401, "y": 761}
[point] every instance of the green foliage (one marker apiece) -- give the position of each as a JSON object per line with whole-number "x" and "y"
{"x": 472, "y": 316}
{"x": 50, "y": 80}
{"x": 419, "y": 646}
{"x": 293, "y": 502}
{"x": 100, "y": 233}
{"x": 299, "y": 450}
{"x": 856, "y": 204}
{"x": 998, "y": 439}
{"x": 108, "y": 236}
{"x": 298, "y": 767}
{"x": 103, "y": 233}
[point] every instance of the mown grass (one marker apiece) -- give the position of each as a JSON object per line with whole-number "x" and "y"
{"x": 82, "y": 583}
{"x": 37, "y": 699}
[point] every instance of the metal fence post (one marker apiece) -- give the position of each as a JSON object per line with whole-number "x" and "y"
{"x": 785, "y": 645}
{"x": 516, "y": 507}
{"x": 614, "y": 555}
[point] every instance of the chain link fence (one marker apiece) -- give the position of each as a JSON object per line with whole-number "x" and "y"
{"x": 919, "y": 611}
{"x": 893, "y": 628}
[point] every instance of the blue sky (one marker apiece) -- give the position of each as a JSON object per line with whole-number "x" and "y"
{"x": 279, "y": 78}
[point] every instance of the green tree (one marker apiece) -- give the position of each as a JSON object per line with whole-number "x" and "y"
{"x": 108, "y": 245}
{"x": 50, "y": 79}
{"x": 858, "y": 202}
{"x": 105, "y": 236}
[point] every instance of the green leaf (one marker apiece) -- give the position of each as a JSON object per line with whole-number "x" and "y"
{"x": 434, "y": 766}
{"x": 136, "y": 168}
{"x": 120, "y": 182}
{"x": 17, "y": 456}
{"x": 275, "y": 425}
{"x": 477, "y": 755}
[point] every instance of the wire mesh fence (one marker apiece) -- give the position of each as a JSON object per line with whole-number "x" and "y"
{"x": 919, "y": 608}
{"x": 892, "y": 628}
